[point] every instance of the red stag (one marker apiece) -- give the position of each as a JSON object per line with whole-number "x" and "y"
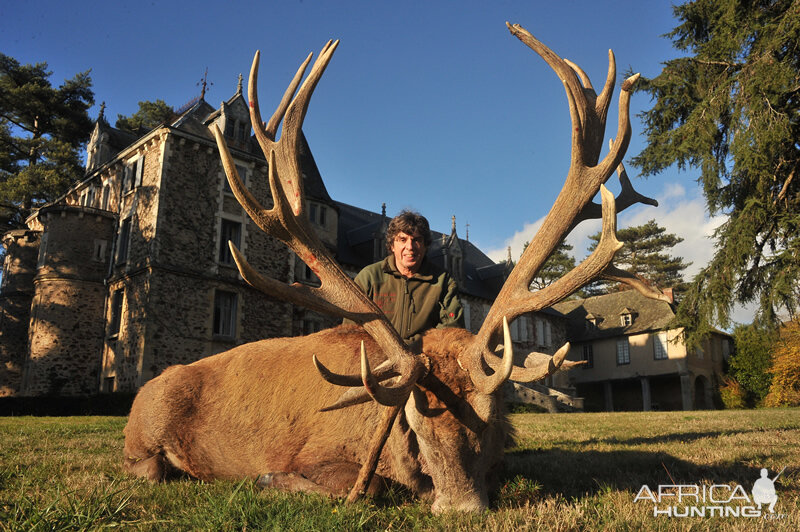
{"x": 261, "y": 409}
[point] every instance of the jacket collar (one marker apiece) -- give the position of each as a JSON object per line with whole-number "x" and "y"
{"x": 425, "y": 272}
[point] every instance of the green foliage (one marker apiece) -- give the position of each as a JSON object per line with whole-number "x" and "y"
{"x": 42, "y": 131}
{"x": 785, "y": 387}
{"x": 730, "y": 108}
{"x": 149, "y": 115}
{"x": 558, "y": 264}
{"x": 750, "y": 364}
{"x": 645, "y": 253}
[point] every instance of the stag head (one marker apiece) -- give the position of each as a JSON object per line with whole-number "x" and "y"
{"x": 449, "y": 391}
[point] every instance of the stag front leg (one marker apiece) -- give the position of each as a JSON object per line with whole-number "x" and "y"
{"x": 333, "y": 479}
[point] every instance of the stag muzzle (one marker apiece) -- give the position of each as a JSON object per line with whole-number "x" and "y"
{"x": 471, "y": 501}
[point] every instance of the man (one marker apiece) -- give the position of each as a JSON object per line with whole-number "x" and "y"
{"x": 413, "y": 293}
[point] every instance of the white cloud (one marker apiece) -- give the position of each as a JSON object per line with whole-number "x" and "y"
{"x": 516, "y": 242}
{"x": 683, "y": 215}
{"x": 678, "y": 212}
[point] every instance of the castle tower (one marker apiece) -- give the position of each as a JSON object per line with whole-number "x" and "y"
{"x": 66, "y": 326}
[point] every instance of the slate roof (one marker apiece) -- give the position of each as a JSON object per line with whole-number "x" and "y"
{"x": 117, "y": 138}
{"x": 648, "y": 315}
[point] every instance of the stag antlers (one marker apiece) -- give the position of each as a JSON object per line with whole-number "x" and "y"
{"x": 339, "y": 296}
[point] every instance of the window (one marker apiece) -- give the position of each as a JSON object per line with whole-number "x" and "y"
{"x": 241, "y": 170}
{"x": 626, "y": 320}
{"x": 42, "y": 251}
{"x": 307, "y": 275}
{"x": 127, "y": 178}
{"x": 230, "y": 127}
{"x": 660, "y": 346}
{"x": 699, "y": 352}
{"x": 124, "y": 241}
{"x": 229, "y": 230}
{"x": 116, "y": 312}
{"x": 99, "y": 253}
{"x": 539, "y": 331}
{"x": 588, "y": 356}
{"x": 106, "y": 196}
{"x": 137, "y": 180}
{"x": 623, "y": 352}
{"x": 311, "y": 326}
{"x": 225, "y": 314}
{"x": 243, "y": 131}
{"x": 317, "y": 214}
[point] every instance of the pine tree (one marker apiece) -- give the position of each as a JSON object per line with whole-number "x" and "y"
{"x": 149, "y": 115}
{"x": 646, "y": 253}
{"x": 730, "y": 108}
{"x": 558, "y": 264}
{"x": 42, "y": 132}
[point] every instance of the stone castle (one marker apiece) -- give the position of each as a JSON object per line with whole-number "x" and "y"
{"x": 129, "y": 272}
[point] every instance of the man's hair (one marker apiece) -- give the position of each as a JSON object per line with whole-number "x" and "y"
{"x": 408, "y": 222}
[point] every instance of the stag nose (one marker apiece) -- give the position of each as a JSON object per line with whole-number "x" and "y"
{"x": 472, "y": 501}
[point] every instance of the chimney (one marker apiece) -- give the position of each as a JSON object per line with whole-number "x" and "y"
{"x": 670, "y": 294}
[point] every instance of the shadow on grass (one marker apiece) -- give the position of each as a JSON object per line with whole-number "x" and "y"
{"x": 683, "y": 437}
{"x": 573, "y": 474}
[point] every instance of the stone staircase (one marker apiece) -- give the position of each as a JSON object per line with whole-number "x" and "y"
{"x": 537, "y": 394}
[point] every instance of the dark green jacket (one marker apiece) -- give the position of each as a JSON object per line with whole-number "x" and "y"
{"x": 426, "y": 300}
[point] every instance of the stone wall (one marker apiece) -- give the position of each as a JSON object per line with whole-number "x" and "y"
{"x": 19, "y": 269}
{"x": 66, "y": 327}
{"x": 173, "y": 270}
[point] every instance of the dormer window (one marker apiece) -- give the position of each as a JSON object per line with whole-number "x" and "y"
{"x": 591, "y": 322}
{"x": 317, "y": 214}
{"x": 626, "y": 317}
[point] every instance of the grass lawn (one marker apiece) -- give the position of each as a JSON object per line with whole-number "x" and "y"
{"x": 567, "y": 472}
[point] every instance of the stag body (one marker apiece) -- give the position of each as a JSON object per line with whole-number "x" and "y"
{"x": 250, "y": 411}
{"x": 257, "y": 408}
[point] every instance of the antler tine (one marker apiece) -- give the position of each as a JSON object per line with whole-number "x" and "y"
{"x": 252, "y": 88}
{"x": 589, "y": 114}
{"x": 488, "y": 384}
{"x": 628, "y": 196}
{"x": 384, "y": 395}
{"x": 547, "y": 365}
{"x": 620, "y": 144}
{"x": 612, "y": 273}
{"x": 604, "y": 99}
{"x": 591, "y": 267}
{"x": 295, "y": 114}
{"x": 337, "y": 294}
{"x": 384, "y": 371}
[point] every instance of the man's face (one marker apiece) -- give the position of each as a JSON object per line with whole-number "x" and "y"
{"x": 408, "y": 252}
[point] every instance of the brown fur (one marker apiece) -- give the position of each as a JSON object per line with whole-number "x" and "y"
{"x": 256, "y": 409}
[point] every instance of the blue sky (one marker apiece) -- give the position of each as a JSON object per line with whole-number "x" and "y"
{"x": 429, "y": 105}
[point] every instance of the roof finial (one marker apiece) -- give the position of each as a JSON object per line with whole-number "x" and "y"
{"x": 102, "y": 114}
{"x": 239, "y": 86}
{"x": 467, "y": 237}
{"x": 508, "y": 260}
{"x": 383, "y": 210}
{"x": 454, "y": 224}
{"x": 204, "y": 85}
